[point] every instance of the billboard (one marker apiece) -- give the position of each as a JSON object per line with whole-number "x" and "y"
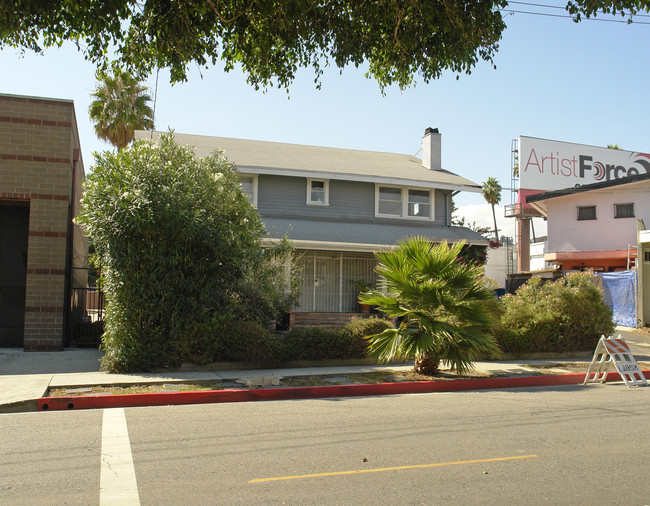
{"x": 553, "y": 165}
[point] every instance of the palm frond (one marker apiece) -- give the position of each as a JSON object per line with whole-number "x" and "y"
{"x": 385, "y": 346}
{"x": 120, "y": 106}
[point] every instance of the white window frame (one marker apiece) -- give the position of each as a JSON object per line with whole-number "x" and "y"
{"x": 405, "y": 203}
{"x": 326, "y": 188}
{"x": 408, "y": 202}
{"x": 254, "y": 178}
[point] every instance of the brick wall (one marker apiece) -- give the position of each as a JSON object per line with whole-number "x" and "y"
{"x": 39, "y": 150}
{"x": 326, "y": 320}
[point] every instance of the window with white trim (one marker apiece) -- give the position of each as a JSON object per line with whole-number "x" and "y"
{"x": 418, "y": 204}
{"x": 389, "y": 201}
{"x": 318, "y": 192}
{"x": 249, "y": 186}
{"x": 399, "y": 202}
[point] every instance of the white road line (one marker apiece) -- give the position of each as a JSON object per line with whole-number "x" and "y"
{"x": 117, "y": 483}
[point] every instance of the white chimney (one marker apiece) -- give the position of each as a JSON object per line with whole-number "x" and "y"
{"x": 431, "y": 157}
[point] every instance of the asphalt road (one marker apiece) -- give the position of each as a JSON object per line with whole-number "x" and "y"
{"x": 562, "y": 445}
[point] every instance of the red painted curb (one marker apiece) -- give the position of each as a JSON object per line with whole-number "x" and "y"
{"x": 276, "y": 394}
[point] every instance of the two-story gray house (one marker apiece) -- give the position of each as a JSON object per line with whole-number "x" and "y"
{"x": 338, "y": 206}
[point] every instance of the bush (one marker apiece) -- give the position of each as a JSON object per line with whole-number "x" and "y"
{"x": 317, "y": 343}
{"x": 569, "y": 314}
{"x": 353, "y": 335}
{"x": 309, "y": 343}
{"x": 245, "y": 342}
{"x": 179, "y": 246}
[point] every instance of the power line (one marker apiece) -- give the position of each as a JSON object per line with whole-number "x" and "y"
{"x": 545, "y": 6}
{"x": 546, "y": 14}
{"x": 537, "y": 5}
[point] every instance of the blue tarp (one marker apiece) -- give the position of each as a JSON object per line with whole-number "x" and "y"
{"x": 620, "y": 295}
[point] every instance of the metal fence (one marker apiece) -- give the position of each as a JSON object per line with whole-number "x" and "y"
{"x": 85, "y": 323}
{"x": 328, "y": 280}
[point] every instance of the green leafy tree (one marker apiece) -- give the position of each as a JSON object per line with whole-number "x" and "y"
{"x": 270, "y": 41}
{"x": 492, "y": 195}
{"x": 591, "y": 8}
{"x": 120, "y": 107}
{"x": 181, "y": 259}
{"x": 439, "y": 303}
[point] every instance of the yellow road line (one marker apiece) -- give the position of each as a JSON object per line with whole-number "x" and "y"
{"x": 400, "y": 468}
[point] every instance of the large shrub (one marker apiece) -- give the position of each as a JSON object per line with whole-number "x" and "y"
{"x": 569, "y": 314}
{"x": 178, "y": 243}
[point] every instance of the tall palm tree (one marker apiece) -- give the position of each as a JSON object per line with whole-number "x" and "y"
{"x": 439, "y": 304}
{"x": 492, "y": 195}
{"x": 121, "y": 106}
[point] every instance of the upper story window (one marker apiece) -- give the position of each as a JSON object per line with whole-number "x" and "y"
{"x": 623, "y": 210}
{"x": 587, "y": 212}
{"x": 249, "y": 186}
{"x": 318, "y": 192}
{"x": 398, "y": 202}
{"x": 418, "y": 204}
{"x": 389, "y": 201}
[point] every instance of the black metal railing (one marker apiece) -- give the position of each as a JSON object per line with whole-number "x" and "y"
{"x": 85, "y": 319}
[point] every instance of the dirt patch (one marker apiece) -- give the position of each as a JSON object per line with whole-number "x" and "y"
{"x": 188, "y": 386}
{"x": 318, "y": 380}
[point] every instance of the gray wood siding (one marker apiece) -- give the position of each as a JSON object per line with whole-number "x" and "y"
{"x": 442, "y": 208}
{"x": 287, "y": 196}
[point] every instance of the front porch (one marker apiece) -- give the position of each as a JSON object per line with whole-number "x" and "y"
{"x": 331, "y": 281}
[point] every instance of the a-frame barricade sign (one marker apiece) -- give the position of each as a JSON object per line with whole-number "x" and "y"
{"x": 614, "y": 353}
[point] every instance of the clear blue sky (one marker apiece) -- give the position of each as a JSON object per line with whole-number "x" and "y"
{"x": 585, "y": 83}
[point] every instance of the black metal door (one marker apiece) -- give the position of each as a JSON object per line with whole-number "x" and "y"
{"x": 14, "y": 226}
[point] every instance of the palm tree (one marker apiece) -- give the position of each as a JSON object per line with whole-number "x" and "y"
{"x": 121, "y": 106}
{"x": 492, "y": 194}
{"x": 439, "y": 304}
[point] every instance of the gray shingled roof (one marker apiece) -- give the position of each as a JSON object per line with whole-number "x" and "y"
{"x": 265, "y": 157}
{"x": 360, "y": 236}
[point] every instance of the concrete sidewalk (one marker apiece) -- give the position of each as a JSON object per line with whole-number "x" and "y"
{"x": 26, "y": 376}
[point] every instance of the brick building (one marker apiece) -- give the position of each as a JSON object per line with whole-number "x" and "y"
{"x": 41, "y": 170}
